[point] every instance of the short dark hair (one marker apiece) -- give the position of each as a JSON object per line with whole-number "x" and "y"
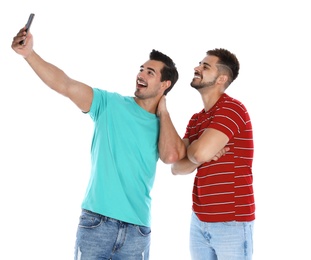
{"x": 169, "y": 71}
{"x": 228, "y": 60}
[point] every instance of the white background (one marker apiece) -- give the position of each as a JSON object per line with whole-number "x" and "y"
{"x": 45, "y": 140}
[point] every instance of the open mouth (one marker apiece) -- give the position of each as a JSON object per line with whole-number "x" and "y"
{"x": 141, "y": 84}
{"x": 197, "y": 76}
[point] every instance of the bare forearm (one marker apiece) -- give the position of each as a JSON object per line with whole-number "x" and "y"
{"x": 51, "y": 75}
{"x": 56, "y": 79}
{"x": 184, "y": 166}
{"x": 78, "y": 92}
{"x": 171, "y": 147}
{"x": 192, "y": 152}
{"x": 210, "y": 145}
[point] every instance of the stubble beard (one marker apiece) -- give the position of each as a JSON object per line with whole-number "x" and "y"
{"x": 142, "y": 96}
{"x": 202, "y": 84}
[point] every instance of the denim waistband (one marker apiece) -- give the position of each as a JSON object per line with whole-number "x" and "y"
{"x": 108, "y": 218}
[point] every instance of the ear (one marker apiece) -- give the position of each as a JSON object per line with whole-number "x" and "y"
{"x": 166, "y": 84}
{"x": 222, "y": 79}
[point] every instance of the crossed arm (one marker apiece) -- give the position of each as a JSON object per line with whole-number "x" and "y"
{"x": 209, "y": 146}
{"x": 183, "y": 156}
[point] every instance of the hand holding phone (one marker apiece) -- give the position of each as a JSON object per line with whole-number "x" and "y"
{"x": 28, "y": 24}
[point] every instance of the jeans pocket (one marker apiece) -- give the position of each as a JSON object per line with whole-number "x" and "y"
{"x": 89, "y": 219}
{"x": 144, "y": 231}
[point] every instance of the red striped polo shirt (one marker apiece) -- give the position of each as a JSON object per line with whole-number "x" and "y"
{"x": 223, "y": 189}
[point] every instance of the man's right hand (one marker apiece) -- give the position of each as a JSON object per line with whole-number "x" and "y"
{"x": 161, "y": 108}
{"x": 222, "y": 152}
{"x": 27, "y": 47}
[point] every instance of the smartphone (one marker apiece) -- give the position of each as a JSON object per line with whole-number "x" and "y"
{"x": 28, "y": 24}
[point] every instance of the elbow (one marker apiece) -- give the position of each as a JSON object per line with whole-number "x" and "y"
{"x": 173, "y": 155}
{"x": 174, "y": 173}
{"x": 198, "y": 155}
{"x": 174, "y": 170}
{"x": 170, "y": 158}
{"x": 195, "y": 157}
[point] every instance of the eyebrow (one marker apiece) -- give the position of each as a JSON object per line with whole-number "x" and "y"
{"x": 205, "y": 63}
{"x": 148, "y": 68}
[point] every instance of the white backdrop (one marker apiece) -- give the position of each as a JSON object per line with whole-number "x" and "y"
{"x": 45, "y": 140}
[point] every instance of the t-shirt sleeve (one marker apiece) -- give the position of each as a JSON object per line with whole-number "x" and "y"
{"x": 99, "y": 103}
{"x": 229, "y": 119}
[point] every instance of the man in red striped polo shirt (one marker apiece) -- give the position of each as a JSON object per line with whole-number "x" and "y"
{"x": 223, "y": 200}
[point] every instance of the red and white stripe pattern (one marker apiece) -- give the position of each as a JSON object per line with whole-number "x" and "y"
{"x": 223, "y": 189}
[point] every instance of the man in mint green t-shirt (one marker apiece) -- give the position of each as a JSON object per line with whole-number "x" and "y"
{"x": 130, "y": 135}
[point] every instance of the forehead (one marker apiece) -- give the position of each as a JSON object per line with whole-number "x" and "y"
{"x": 154, "y": 65}
{"x": 211, "y": 60}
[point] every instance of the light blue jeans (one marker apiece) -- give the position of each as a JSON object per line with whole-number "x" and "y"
{"x": 221, "y": 240}
{"x": 102, "y": 238}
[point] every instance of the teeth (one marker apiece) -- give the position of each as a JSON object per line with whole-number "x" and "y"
{"x": 141, "y": 83}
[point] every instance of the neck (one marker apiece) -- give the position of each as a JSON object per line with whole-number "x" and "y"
{"x": 209, "y": 97}
{"x": 149, "y": 105}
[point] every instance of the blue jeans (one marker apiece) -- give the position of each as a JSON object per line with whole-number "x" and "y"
{"x": 221, "y": 240}
{"x": 102, "y": 238}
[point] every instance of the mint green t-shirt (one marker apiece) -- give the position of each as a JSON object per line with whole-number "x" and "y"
{"x": 124, "y": 155}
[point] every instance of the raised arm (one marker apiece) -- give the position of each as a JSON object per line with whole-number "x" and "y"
{"x": 171, "y": 147}
{"x": 80, "y": 93}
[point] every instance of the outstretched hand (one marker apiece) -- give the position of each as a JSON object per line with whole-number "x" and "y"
{"x": 26, "y": 48}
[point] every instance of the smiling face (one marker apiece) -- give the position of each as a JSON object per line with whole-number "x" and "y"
{"x": 148, "y": 82}
{"x": 206, "y": 74}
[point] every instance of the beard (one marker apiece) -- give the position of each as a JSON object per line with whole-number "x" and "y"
{"x": 201, "y": 84}
{"x": 143, "y": 95}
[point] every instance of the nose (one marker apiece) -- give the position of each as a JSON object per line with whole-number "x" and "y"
{"x": 139, "y": 76}
{"x": 197, "y": 69}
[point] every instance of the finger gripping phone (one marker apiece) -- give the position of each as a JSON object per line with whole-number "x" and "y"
{"x": 28, "y": 24}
